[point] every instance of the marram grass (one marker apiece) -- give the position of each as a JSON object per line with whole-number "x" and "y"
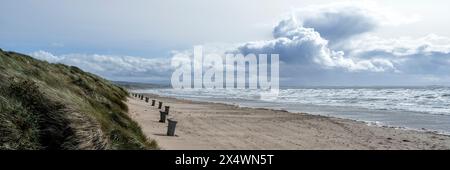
{"x": 54, "y": 106}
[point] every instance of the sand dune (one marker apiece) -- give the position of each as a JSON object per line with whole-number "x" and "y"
{"x": 208, "y": 126}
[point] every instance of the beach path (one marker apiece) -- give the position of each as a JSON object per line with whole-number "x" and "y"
{"x": 208, "y": 126}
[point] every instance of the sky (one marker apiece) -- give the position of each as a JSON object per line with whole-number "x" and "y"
{"x": 320, "y": 42}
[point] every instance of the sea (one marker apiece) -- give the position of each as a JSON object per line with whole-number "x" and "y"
{"x": 416, "y": 108}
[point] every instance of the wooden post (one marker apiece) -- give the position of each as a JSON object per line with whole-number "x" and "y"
{"x": 153, "y": 102}
{"x": 162, "y": 117}
{"x": 166, "y": 109}
{"x": 159, "y": 105}
{"x": 171, "y": 127}
{"x": 146, "y": 99}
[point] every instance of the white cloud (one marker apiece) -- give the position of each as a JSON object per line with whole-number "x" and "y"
{"x": 402, "y": 46}
{"x": 112, "y": 66}
{"x": 338, "y": 21}
{"x": 44, "y": 55}
{"x": 304, "y": 46}
{"x": 303, "y": 42}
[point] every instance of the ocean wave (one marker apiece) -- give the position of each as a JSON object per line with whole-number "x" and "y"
{"x": 426, "y": 100}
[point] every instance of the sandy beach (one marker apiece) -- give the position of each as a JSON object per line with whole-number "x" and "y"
{"x": 203, "y": 125}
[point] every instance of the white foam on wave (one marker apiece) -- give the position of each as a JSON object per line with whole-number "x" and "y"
{"x": 426, "y": 100}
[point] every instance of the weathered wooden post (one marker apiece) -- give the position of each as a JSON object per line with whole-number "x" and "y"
{"x": 142, "y": 97}
{"x": 171, "y": 127}
{"x": 153, "y": 102}
{"x": 166, "y": 109}
{"x": 159, "y": 105}
{"x": 162, "y": 117}
{"x": 146, "y": 99}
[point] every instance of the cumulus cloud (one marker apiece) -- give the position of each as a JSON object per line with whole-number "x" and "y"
{"x": 402, "y": 46}
{"x": 339, "y": 21}
{"x": 113, "y": 67}
{"x": 426, "y": 55}
{"x": 304, "y": 46}
{"x": 305, "y": 42}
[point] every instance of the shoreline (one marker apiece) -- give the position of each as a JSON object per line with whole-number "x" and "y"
{"x": 368, "y": 123}
{"x": 211, "y": 125}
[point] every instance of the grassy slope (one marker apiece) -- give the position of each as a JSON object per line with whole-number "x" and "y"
{"x": 54, "y": 106}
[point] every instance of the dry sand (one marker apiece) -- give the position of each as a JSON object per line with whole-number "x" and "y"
{"x": 203, "y": 125}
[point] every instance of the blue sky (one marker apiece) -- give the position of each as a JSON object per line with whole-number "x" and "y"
{"x": 321, "y": 42}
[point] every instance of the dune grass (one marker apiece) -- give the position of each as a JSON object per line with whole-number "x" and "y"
{"x": 54, "y": 106}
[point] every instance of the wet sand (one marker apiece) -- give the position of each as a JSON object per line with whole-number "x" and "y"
{"x": 203, "y": 125}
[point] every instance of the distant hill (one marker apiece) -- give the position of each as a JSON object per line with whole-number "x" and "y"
{"x": 135, "y": 85}
{"x": 55, "y": 106}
